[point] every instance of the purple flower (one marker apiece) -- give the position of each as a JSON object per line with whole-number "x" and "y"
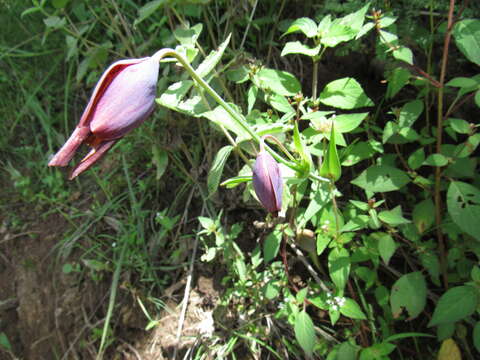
{"x": 267, "y": 181}
{"x": 123, "y": 98}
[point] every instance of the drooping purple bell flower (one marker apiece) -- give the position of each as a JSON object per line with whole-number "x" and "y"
{"x": 267, "y": 181}
{"x": 123, "y": 98}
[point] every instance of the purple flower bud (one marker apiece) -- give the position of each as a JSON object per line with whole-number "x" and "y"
{"x": 267, "y": 182}
{"x": 123, "y": 98}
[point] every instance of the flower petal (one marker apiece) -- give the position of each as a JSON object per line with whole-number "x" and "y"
{"x": 66, "y": 153}
{"x": 93, "y": 156}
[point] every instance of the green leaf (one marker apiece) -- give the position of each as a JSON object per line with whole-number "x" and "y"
{"x": 454, "y": 305}
{"x": 4, "y": 343}
{"x": 339, "y": 267}
{"x": 410, "y": 113}
{"x": 476, "y": 336}
{"x": 221, "y": 117}
{"x": 345, "y": 93}
{"x": 296, "y": 47}
{"x": 331, "y": 167}
{"x": 477, "y": 98}
{"x": 410, "y": 293}
{"x": 174, "y": 94}
{"x": 217, "y": 168}
{"x": 272, "y": 245}
{"x": 59, "y": 4}
{"x": 360, "y": 151}
{"x": 148, "y": 9}
{"x": 352, "y": 310}
{"x": 403, "y": 53}
{"x": 398, "y": 78}
{"x": 346, "y": 351}
{"x": 416, "y": 159}
{"x": 462, "y": 82}
{"x": 160, "y": 159}
{"x": 463, "y": 202}
{"x": 423, "y": 215}
{"x": 54, "y": 22}
{"x": 381, "y": 178}
{"x": 345, "y": 123}
{"x": 385, "y": 244}
{"x": 280, "y": 82}
{"x": 209, "y": 63}
{"x": 459, "y": 125}
{"x": 188, "y": 37}
{"x": 304, "y": 25}
{"x": 436, "y": 160}
{"x": 305, "y": 333}
{"x": 393, "y": 217}
{"x": 377, "y": 351}
{"x": 467, "y": 37}
{"x": 306, "y": 159}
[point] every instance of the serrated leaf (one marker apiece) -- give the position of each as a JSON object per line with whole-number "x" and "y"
{"x": 403, "y": 53}
{"x": 410, "y": 293}
{"x": 463, "y": 202}
{"x": 381, "y": 178}
{"x": 454, "y": 305}
{"x": 304, "y": 332}
{"x": 304, "y": 25}
{"x": 216, "y": 170}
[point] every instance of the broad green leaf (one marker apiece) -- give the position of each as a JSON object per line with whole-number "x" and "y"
{"x": 462, "y": 82}
{"x": 393, "y": 217}
{"x": 351, "y": 309}
{"x": 436, "y": 160}
{"x": 279, "y": 103}
{"x": 398, "y": 78}
{"x": 459, "y": 125}
{"x": 396, "y": 134}
{"x": 272, "y": 245}
{"x": 331, "y": 167}
{"x": 454, "y": 305}
{"x": 296, "y": 47}
{"x": 279, "y": 82}
{"x": 385, "y": 244}
{"x": 305, "y": 333}
{"x": 423, "y": 215}
{"x": 238, "y": 75}
{"x": 467, "y": 37}
{"x": 345, "y": 93}
{"x": 252, "y": 97}
{"x": 416, "y": 159}
{"x": 148, "y": 9}
{"x": 409, "y": 293}
{"x": 387, "y": 20}
{"x": 336, "y": 34}
{"x": 304, "y": 25}
{"x": 360, "y": 151}
{"x": 403, "y": 53}
{"x": 410, "y": 113}
{"x": 449, "y": 351}
{"x": 345, "y": 123}
{"x": 339, "y": 267}
{"x": 381, "y": 178}
{"x": 346, "y": 351}
{"x": 216, "y": 170}
{"x": 54, "y": 22}
{"x": 356, "y": 19}
{"x": 463, "y": 202}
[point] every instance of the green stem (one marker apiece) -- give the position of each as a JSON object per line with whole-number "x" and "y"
{"x": 159, "y": 55}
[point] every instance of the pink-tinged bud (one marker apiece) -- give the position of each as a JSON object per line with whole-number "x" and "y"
{"x": 267, "y": 182}
{"x": 123, "y": 98}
